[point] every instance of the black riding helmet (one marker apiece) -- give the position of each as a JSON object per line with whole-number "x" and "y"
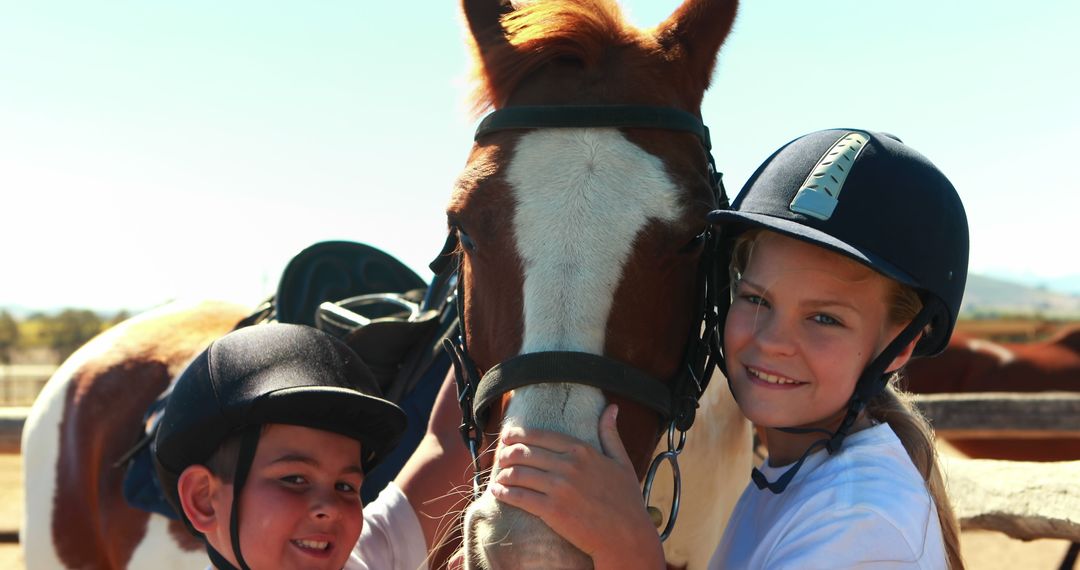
{"x": 872, "y": 198}
{"x": 271, "y": 373}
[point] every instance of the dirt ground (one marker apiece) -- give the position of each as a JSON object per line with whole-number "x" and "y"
{"x": 982, "y": 550}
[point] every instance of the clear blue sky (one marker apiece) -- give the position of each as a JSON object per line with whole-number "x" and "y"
{"x": 155, "y": 150}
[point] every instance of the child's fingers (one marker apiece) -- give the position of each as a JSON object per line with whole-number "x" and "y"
{"x": 609, "y": 436}
{"x": 551, "y": 440}
{"x": 538, "y": 504}
{"x": 551, "y": 483}
{"x": 529, "y": 455}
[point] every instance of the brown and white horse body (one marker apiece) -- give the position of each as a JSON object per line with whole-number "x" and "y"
{"x": 575, "y": 239}
{"x": 87, "y": 416}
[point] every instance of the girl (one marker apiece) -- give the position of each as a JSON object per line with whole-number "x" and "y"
{"x": 849, "y": 257}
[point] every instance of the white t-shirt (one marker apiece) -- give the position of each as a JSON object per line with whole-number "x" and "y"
{"x": 865, "y": 507}
{"x": 392, "y": 538}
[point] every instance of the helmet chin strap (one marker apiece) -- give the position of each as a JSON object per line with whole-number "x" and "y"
{"x": 872, "y": 381}
{"x": 249, "y": 441}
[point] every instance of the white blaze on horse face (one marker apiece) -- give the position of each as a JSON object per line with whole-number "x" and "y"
{"x": 582, "y": 197}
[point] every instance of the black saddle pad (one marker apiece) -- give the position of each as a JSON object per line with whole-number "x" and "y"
{"x": 335, "y": 270}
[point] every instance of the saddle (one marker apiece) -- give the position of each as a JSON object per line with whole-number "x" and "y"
{"x": 380, "y": 308}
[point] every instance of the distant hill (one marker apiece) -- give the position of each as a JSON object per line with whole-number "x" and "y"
{"x": 20, "y": 312}
{"x": 991, "y": 295}
{"x": 1068, "y": 284}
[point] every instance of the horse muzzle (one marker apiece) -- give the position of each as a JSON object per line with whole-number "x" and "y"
{"x": 501, "y": 537}
{"x": 498, "y": 536}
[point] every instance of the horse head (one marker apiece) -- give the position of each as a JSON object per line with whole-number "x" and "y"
{"x": 581, "y": 240}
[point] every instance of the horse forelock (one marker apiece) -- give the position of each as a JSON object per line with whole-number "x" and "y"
{"x": 540, "y": 32}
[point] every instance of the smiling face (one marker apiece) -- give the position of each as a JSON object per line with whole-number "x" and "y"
{"x": 300, "y": 506}
{"x": 803, "y": 324}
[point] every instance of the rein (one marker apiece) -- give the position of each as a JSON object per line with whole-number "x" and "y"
{"x": 676, "y": 403}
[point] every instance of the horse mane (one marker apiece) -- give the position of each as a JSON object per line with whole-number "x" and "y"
{"x": 540, "y": 32}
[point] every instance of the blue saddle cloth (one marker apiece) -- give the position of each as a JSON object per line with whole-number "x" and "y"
{"x": 331, "y": 271}
{"x": 142, "y": 489}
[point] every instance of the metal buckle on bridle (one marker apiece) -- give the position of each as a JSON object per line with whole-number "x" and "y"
{"x": 672, "y": 457}
{"x": 474, "y": 451}
{"x": 470, "y": 432}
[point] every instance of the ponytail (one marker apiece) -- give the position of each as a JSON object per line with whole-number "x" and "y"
{"x": 896, "y": 408}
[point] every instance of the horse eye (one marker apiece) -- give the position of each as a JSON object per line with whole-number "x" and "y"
{"x": 695, "y": 243}
{"x": 466, "y": 241}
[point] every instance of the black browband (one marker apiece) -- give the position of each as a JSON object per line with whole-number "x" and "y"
{"x": 676, "y": 402}
{"x": 595, "y": 116}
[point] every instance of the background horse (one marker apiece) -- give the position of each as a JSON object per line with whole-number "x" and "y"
{"x": 87, "y": 416}
{"x": 976, "y": 365}
{"x": 589, "y": 240}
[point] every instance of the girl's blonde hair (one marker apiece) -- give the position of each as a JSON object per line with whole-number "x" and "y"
{"x": 893, "y": 405}
{"x": 897, "y": 408}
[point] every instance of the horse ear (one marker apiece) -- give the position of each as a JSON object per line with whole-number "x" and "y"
{"x": 483, "y": 17}
{"x": 692, "y": 37}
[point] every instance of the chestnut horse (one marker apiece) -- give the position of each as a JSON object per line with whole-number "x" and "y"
{"x": 581, "y": 231}
{"x": 976, "y": 365}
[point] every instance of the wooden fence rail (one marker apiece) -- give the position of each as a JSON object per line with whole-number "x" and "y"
{"x": 11, "y": 425}
{"x": 20, "y": 383}
{"x": 992, "y": 415}
{"x": 986, "y": 415}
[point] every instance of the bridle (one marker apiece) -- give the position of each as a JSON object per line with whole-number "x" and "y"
{"x": 676, "y": 403}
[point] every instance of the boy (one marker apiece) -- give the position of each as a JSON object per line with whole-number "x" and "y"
{"x": 263, "y": 446}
